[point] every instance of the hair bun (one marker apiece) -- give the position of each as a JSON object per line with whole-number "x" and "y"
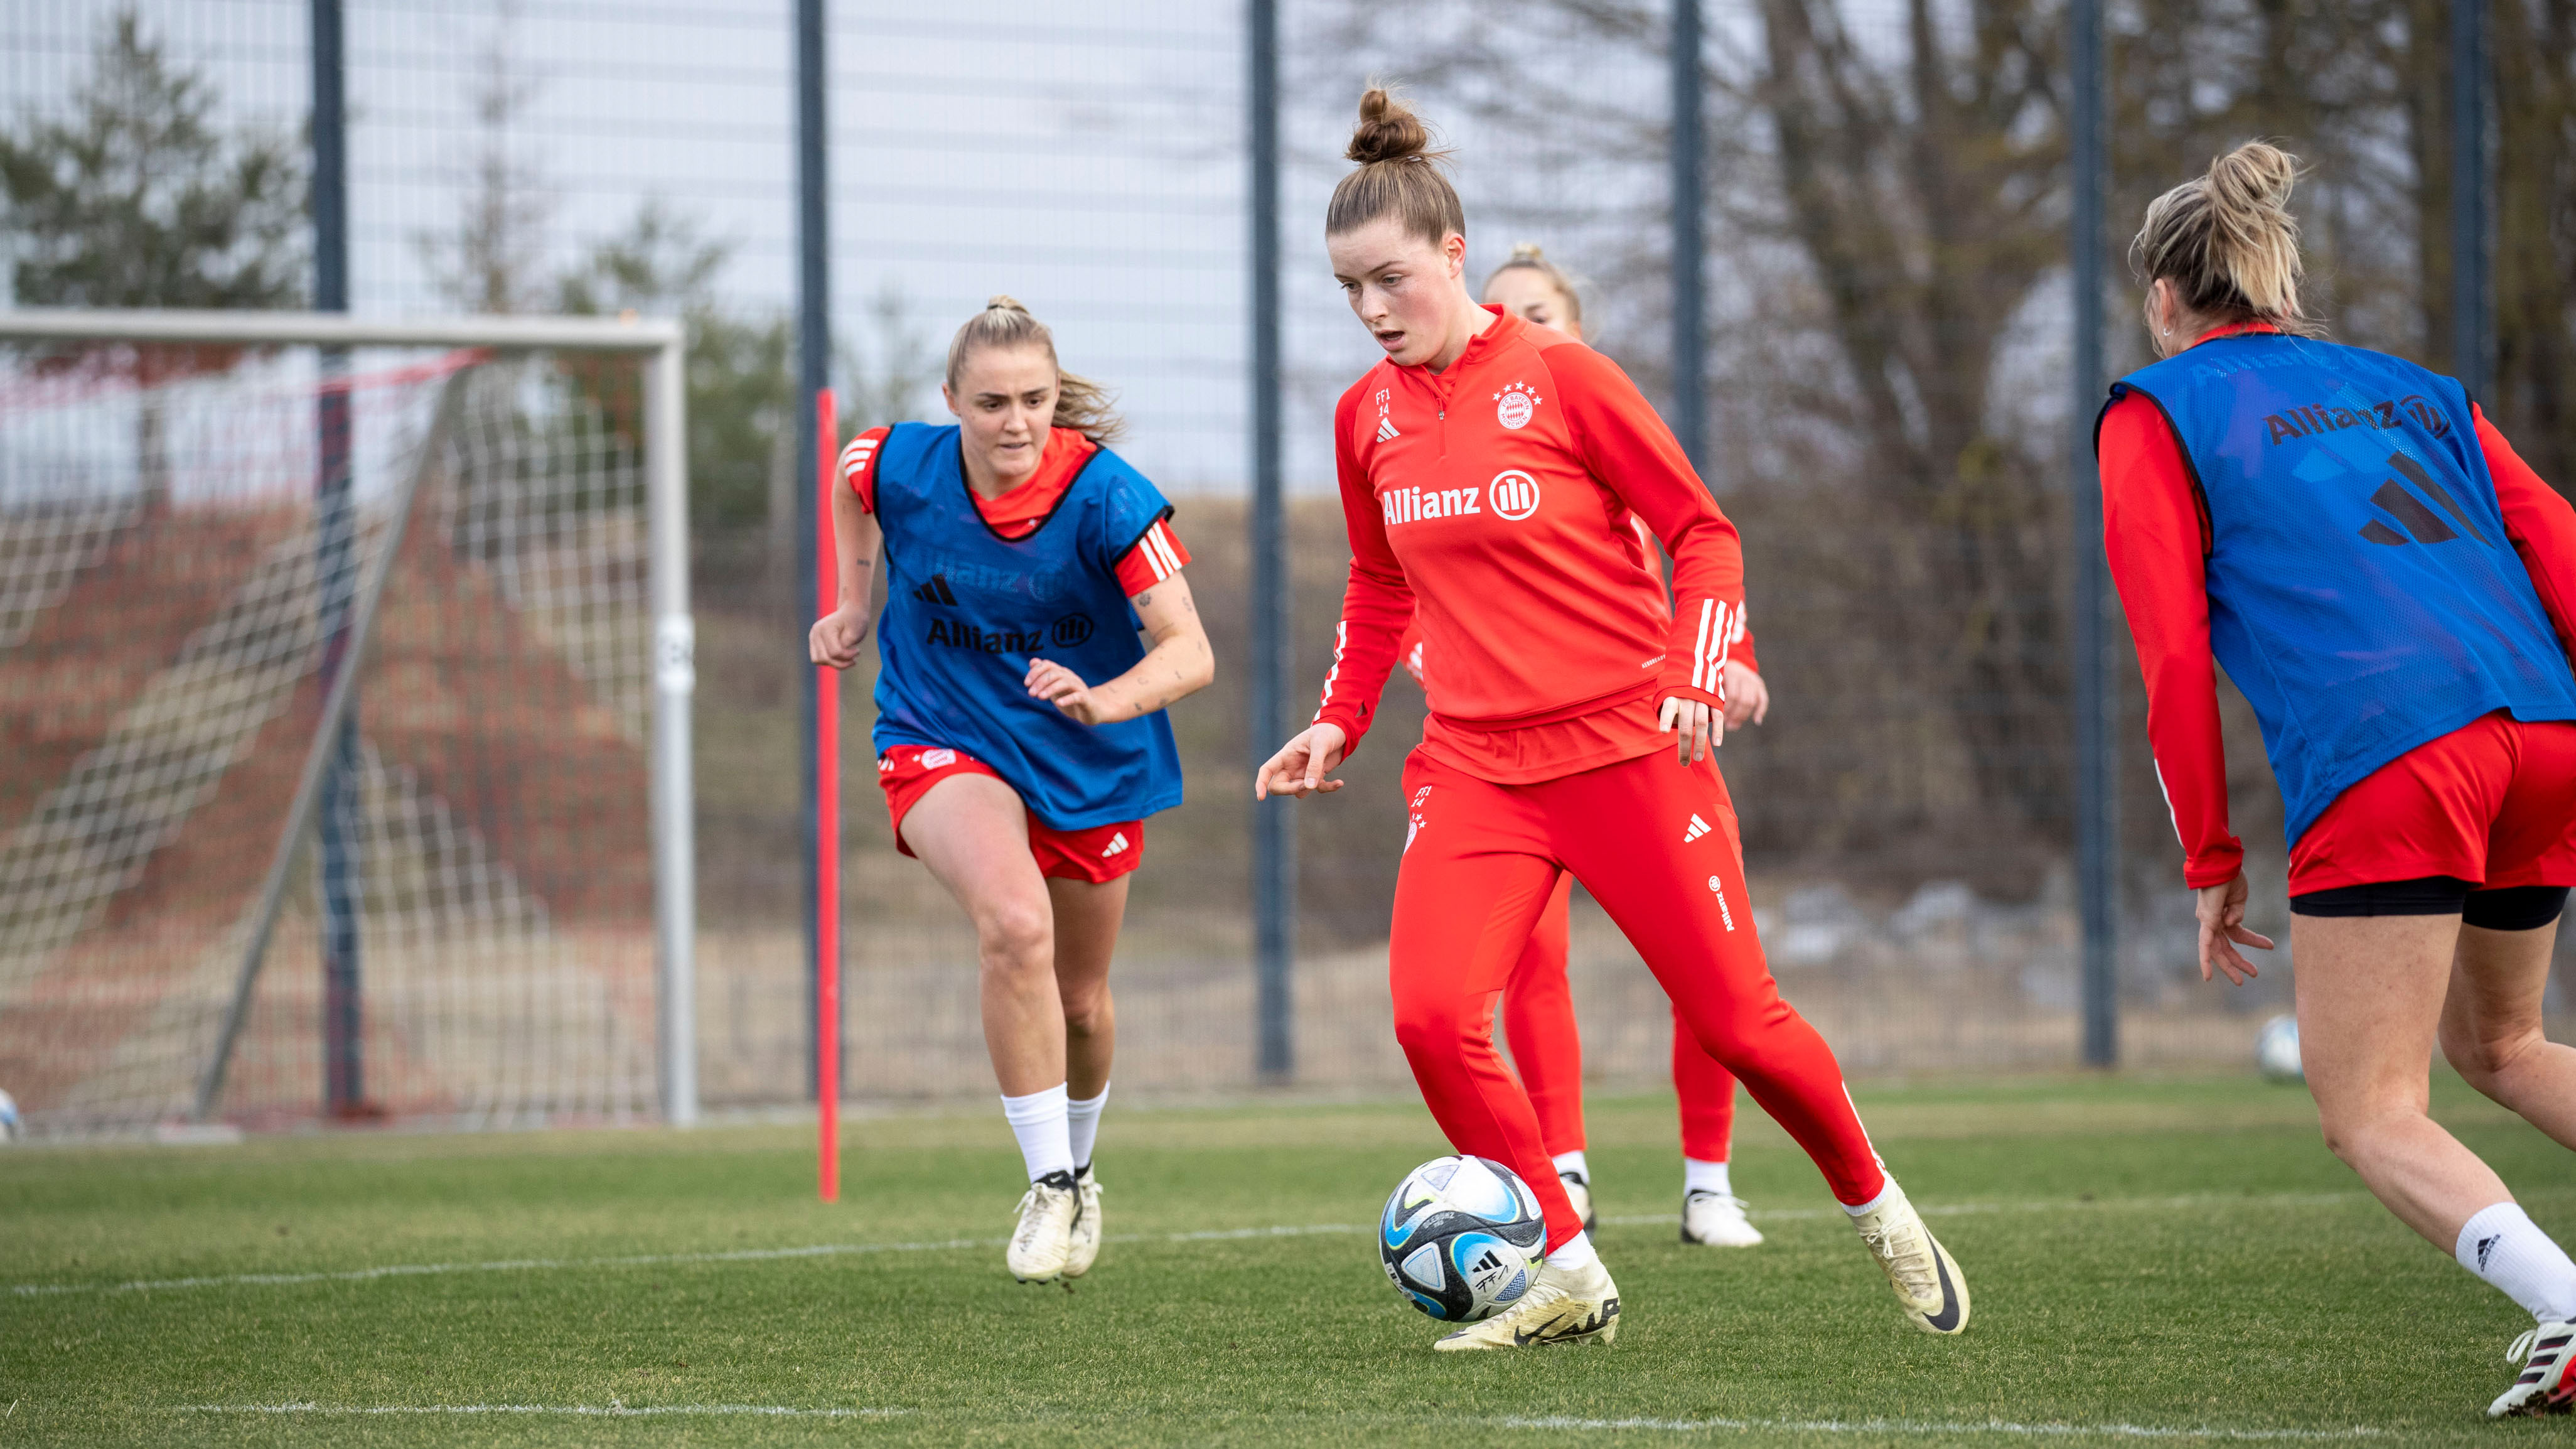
{"x": 2257, "y": 175}
{"x": 1388, "y": 130}
{"x": 1005, "y": 302}
{"x": 1528, "y": 252}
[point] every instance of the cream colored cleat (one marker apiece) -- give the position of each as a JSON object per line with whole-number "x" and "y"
{"x": 1714, "y": 1220}
{"x": 1044, "y": 1239}
{"x": 1578, "y": 1189}
{"x": 1560, "y": 1307}
{"x": 1084, "y": 1245}
{"x": 2547, "y": 1384}
{"x": 1926, "y": 1279}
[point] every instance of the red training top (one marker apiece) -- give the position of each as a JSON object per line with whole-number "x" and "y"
{"x": 1505, "y": 529}
{"x": 2157, "y": 535}
{"x": 1015, "y": 515}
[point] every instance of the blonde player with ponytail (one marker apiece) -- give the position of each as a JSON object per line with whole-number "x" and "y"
{"x": 2395, "y": 592}
{"x": 1020, "y": 736}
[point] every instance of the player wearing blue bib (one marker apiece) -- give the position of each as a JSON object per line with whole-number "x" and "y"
{"x": 2395, "y": 593}
{"x": 1022, "y": 560}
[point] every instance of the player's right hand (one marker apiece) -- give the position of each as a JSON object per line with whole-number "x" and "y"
{"x": 1303, "y": 764}
{"x": 837, "y": 637}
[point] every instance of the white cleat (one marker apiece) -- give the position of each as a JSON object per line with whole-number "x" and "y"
{"x": 1579, "y": 1189}
{"x": 1926, "y": 1279}
{"x": 1084, "y": 1246}
{"x": 1560, "y": 1307}
{"x": 1044, "y": 1239}
{"x": 2544, "y": 1387}
{"x": 1714, "y": 1220}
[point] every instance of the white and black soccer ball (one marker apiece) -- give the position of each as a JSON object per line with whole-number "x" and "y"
{"x": 10, "y": 1126}
{"x": 1461, "y": 1237}
{"x": 2276, "y": 1050}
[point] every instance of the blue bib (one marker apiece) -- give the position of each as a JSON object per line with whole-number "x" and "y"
{"x": 2362, "y": 591}
{"x": 966, "y": 609}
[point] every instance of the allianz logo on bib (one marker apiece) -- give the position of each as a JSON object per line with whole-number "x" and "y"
{"x": 1513, "y": 494}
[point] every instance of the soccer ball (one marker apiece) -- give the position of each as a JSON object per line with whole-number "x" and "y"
{"x": 2276, "y": 1050}
{"x": 10, "y": 1126}
{"x": 1461, "y": 1237}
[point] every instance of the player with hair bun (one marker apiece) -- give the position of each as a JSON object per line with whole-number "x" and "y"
{"x": 1488, "y": 471}
{"x": 1538, "y": 1003}
{"x": 1019, "y": 736}
{"x": 2394, "y": 590}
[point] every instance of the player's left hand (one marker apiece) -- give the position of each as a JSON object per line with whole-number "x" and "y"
{"x": 1065, "y": 690}
{"x": 1702, "y": 729}
{"x": 1747, "y": 697}
{"x": 2221, "y": 909}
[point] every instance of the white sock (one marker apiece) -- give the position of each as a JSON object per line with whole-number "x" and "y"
{"x": 1874, "y": 1204}
{"x": 1082, "y": 1124}
{"x": 1698, "y": 1176}
{"x": 2505, "y": 1247}
{"x": 1576, "y": 1254}
{"x": 1573, "y": 1162}
{"x": 1038, "y": 1120}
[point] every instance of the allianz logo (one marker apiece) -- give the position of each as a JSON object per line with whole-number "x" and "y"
{"x": 1512, "y": 495}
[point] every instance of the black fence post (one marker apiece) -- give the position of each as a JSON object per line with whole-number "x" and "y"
{"x": 2472, "y": 300}
{"x": 1274, "y": 823}
{"x": 1690, "y": 297}
{"x": 2097, "y": 783}
{"x": 339, "y": 827}
{"x": 813, "y": 367}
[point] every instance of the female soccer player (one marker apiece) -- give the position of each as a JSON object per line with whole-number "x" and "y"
{"x": 2394, "y": 591}
{"x": 1019, "y": 731}
{"x": 1488, "y": 472}
{"x": 1538, "y": 1004}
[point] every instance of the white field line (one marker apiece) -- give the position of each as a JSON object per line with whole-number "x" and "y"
{"x": 1915, "y": 1428}
{"x": 1298, "y": 1230}
{"x": 594, "y": 1411}
{"x": 1877, "y": 1428}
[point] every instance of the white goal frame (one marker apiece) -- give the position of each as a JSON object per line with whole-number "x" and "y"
{"x": 662, "y": 344}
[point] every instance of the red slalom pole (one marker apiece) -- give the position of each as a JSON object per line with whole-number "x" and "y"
{"x": 827, "y": 821}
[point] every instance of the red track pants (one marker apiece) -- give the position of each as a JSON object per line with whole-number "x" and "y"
{"x": 1655, "y": 843}
{"x": 1538, "y": 1020}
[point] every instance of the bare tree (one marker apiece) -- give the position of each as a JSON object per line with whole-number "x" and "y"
{"x": 492, "y": 259}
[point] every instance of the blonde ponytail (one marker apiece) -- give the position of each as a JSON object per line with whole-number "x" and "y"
{"x": 1080, "y": 404}
{"x": 2228, "y": 242}
{"x": 1529, "y": 256}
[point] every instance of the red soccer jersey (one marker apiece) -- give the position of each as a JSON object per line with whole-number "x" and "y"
{"x": 1015, "y": 515}
{"x": 2157, "y": 535}
{"x": 1492, "y": 501}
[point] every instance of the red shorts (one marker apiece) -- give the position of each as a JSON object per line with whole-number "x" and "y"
{"x": 1100, "y": 854}
{"x": 2492, "y": 803}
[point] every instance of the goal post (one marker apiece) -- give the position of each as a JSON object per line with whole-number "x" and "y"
{"x": 188, "y": 600}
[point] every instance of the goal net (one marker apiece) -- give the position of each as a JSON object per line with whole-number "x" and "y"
{"x": 213, "y": 901}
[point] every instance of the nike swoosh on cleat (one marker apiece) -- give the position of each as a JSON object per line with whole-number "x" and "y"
{"x": 1947, "y": 1320}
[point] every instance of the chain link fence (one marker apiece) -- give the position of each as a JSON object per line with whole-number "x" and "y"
{"x": 1888, "y": 339}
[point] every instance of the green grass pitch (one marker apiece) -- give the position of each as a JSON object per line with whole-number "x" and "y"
{"x": 2153, "y": 1261}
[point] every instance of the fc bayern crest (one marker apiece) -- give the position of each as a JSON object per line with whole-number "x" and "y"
{"x": 1514, "y": 406}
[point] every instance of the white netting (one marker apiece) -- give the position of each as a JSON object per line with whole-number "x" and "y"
{"x": 170, "y": 576}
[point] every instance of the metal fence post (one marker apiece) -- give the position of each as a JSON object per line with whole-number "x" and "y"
{"x": 2472, "y": 301}
{"x": 813, "y": 374}
{"x": 1274, "y": 824}
{"x": 342, "y": 827}
{"x": 1690, "y": 305}
{"x": 2096, "y": 778}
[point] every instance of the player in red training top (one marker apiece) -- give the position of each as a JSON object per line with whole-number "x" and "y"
{"x": 1538, "y": 1003}
{"x": 2394, "y": 591}
{"x": 1488, "y": 471}
{"x": 1023, "y": 558}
